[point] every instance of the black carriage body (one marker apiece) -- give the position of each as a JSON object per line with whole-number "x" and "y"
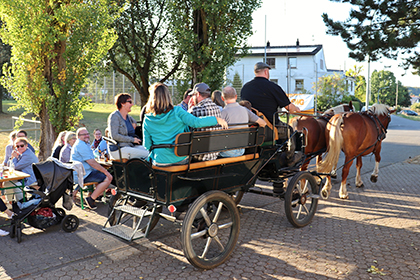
{"x": 179, "y": 185}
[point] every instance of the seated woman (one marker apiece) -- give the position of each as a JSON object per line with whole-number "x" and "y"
{"x": 22, "y": 158}
{"x": 122, "y": 129}
{"x": 59, "y": 143}
{"x": 164, "y": 121}
{"x": 66, "y": 150}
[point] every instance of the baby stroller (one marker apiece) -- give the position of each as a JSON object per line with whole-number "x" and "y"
{"x": 39, "y": 210}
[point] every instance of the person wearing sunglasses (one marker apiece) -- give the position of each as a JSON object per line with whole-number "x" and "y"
{"x": 22, "y": 158}
{"x": 122, "y": 127}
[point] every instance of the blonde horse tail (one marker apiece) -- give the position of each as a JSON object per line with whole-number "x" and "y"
{"x": 334, "y": 146}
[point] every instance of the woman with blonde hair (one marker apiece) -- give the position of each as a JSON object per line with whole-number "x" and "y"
{"x": 164, "y": 121}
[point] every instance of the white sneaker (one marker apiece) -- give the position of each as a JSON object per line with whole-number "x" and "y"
{"x": 3, "y": 232}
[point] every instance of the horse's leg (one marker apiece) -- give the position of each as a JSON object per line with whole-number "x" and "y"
{"x": 359, "y": 164}
{"x": 326, "y": 189}
{"x": 343, "y": 187}
{"x": 374, "y": 176}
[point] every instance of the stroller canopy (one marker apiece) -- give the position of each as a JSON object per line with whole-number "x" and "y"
{"x": 53, "y": 178}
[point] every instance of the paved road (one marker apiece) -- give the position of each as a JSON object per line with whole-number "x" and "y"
{"x": 377, "y": 229}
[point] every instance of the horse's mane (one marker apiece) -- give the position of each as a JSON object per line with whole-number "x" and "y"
{"x": 338, "y": 109}
{"x": 379, "y": 109}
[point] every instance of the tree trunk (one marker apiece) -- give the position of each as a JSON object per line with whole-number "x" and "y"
{"x": 47, "y": 134}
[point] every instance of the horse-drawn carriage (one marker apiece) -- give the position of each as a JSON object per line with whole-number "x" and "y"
{"x": 208, "y": 191}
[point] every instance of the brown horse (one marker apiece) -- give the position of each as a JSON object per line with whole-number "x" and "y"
{"x": 314, "y": 130}
{"x": 357, "y": 135}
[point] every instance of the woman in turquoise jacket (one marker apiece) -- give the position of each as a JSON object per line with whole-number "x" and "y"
{"x": 164, "y": 121}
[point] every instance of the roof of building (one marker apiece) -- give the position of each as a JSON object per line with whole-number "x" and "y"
{"x": 295, "y": 50}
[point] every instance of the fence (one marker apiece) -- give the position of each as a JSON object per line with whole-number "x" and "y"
{"x": 102, "y": 88}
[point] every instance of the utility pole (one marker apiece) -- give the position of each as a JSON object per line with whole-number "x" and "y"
{"x": 396, "y": 97}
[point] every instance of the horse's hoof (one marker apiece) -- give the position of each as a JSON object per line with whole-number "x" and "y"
{"x": 342, "y": 196}
{"x": 325, "y": 194}
{"x": 361, "y": 186}
{"x": 373, "y": 178}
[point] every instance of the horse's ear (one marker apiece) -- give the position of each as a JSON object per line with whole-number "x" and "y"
{"x": 351, "y": 106}
{"x": 392, "y": 111}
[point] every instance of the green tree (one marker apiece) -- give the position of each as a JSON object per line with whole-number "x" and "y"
{"x": 360, "y": 82}
{"x": 211, "y": 33}
{"x": 384, "y": 88}
{"x": 54, "y": 44}
{"x": 5, "y": 54}
{"x": 380, "y": 28}
{"x": 237, "y": 83}
{"x": 332, "y": 91}
{"x": 144, "y": 51}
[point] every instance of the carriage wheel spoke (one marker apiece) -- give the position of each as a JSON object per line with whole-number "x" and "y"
{"x": 306, "y": 208}
{"x": 219, "y": 210}
{"x": 198, "y": 234}
{"x": 222, "y": 248}
{"x": 227, "y": 225}
{"x": 299, "y": 212}
{"x": 205, "y": 216}
{"x": 206, "y": 248}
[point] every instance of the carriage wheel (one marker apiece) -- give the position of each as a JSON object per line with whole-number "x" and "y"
{"x": 301, "y": 199}
{"x": 119, "y": 199}
{"x": 237, "y": 196}
{"x": 70, "y": 223}
{"x": 209, "y": 233}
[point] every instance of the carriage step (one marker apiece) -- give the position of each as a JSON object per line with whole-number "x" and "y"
{"x": 135, "y": 211}
{"x": 315, "y": 196}
{"x": 124, "y": 232}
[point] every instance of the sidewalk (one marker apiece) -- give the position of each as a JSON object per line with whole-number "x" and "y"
{"x": 376, "y": 229}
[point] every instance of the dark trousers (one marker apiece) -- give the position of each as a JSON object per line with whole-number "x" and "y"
{"x": 3, "y": 206}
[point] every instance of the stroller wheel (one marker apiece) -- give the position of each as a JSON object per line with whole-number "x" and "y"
{"x": 70, "y": 223}
{"x": 19, "y": 234}
{"x": 61, "y": 212}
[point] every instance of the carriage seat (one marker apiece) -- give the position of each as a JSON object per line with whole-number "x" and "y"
{"x": 203, "y": 142}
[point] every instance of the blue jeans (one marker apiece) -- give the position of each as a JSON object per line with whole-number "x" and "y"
{"x": 232, "y": 153}
{"x": 95, "y": 176}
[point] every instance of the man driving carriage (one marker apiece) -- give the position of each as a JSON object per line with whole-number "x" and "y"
{"x": 266, "y": 96}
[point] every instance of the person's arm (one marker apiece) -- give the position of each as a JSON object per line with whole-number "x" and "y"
{"x": 24, "y": 161}
{"x": 292, "y": 108}
{"x": 99, "y": 167}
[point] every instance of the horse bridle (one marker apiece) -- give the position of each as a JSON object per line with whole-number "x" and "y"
{"x": 382, "y": 130}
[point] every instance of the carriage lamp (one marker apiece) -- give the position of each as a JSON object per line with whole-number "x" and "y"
{"x": 172, "y": 209}
{"x": 113, "y": 192}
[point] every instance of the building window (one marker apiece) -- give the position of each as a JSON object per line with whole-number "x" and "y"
{"x": 271, "y": 61}
{"x": 293, "y": 62}
{"x": 275, "y": 81}
{"x": 321, "y": 64}
{"x": 299, "y": 85}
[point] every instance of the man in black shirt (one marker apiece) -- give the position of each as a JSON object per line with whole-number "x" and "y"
{"x": 267, "y": 97}
{"x": 264, "y": 95}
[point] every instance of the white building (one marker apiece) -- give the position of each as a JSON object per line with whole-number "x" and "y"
{"x": 294, "y": 68}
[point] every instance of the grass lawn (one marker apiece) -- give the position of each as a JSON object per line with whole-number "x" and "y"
{"x": 94, "y": 117}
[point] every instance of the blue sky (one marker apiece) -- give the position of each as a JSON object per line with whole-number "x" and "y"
{"x": 287, "y": 20}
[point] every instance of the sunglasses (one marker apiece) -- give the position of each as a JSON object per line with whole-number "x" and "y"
{"x": 20, "y": 146}
{"x": 130, "y": 101}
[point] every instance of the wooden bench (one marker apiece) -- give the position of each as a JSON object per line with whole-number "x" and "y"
{"x": 202, "y": 142}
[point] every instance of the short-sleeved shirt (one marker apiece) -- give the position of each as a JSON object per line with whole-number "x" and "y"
{"x": 82, "y": 152}
{"x": 265, "y": 96}
{"x": 205, "y": 108}
{"x": 235, "y": 113}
